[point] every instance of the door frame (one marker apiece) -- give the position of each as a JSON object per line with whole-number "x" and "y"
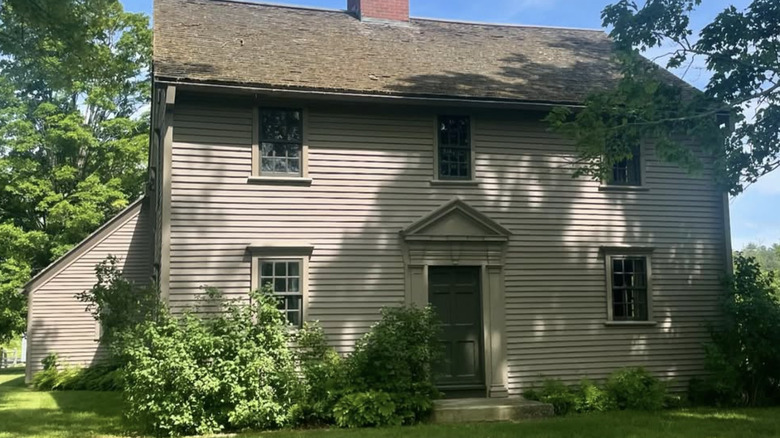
{"x": 481, "y": 323}
{"x": 456, "y": 234}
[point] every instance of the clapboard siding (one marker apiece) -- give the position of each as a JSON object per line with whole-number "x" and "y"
{"x": 371, "y": 170}
{"x": 58, "y": 322}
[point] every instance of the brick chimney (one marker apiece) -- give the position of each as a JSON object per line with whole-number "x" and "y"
{"x": 392, "y": 10}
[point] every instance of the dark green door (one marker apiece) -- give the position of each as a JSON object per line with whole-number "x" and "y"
{"x": 454, "y": 292}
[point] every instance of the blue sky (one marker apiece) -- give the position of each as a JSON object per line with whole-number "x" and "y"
{"x": 755, "y": 214}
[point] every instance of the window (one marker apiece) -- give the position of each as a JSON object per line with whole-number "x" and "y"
{"x": 284, "y": 278}
{"x": 454, "y": 148}
{"x": 628, "y": 281}
{"x": 628, "y": 172}
{"x": 281, "y": 142}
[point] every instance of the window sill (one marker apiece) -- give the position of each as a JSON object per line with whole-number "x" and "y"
{"x": 630, "y": 323}
{"x": 455, "y": 182}
{"x": 280, "y": 180}
{"x": 616, "y": 188}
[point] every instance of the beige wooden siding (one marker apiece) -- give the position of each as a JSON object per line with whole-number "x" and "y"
{"x": 58, "y": 322}
{"x": 371, "y": 172}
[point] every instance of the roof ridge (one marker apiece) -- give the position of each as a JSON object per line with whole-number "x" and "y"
{"x": 279, "y": 5}
{"x": 413, "y": 18}
{"x": 487, "y": 23}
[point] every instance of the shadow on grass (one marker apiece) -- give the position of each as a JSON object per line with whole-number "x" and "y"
{"x": 30, "y": 413}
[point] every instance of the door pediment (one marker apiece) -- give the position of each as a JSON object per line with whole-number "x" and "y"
{"x": 455, "y": 220}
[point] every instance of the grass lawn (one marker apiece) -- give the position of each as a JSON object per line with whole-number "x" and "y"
{"x": 27, "y": 413}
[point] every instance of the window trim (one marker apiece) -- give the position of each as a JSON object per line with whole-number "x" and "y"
{"x": 454, "y": 182}
{"x": 283, "y": 251}
{"x": 607, "y": 185}
{"x": 609, "y": 254}
{"x": 257, "y": 176}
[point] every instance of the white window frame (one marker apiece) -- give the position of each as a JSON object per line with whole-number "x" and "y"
{"x": 615, "y": 252}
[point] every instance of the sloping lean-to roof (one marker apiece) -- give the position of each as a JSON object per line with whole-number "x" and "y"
{"x": 282, "y": 47}
{"x": 85, "y": 245}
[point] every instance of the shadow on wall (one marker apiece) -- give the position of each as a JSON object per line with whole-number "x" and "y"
{"x": 555, "y": 275}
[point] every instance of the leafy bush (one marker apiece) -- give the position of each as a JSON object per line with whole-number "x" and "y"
{"x": 636, "y": 388}
{"x": 590, "y": 398}
{"x": 196, "y": 375}
{"x": 102, "y": 377}
{"x": 363, "y": 409}
{"x": 556, "y": 393}
{"x": 743, "y": 358}
{"x": 323, "y": 376}
{"x": 118, "y": 304}
{"x": 396, "y": 357}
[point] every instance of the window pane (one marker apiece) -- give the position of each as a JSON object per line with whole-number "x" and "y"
{"x": 629, "y": 288}
{"x": 294, "y": 166}
{"x": 293, "y": 269}
{"x": 293, "y": 303}
{"x": 280, "y": 285}
{"x": 284, "y": 125}
{"x": 280, "y": 268}
{"x": 268, "y": 164}
{"x": 617, "y": 265}
{"x": 266, "y": 269}
{"x": 294, "y": 318}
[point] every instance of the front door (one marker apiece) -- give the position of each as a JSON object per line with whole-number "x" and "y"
{"x": 454, "y": 292}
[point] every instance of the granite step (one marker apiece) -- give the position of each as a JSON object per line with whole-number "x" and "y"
{"x": 470, "y": 410}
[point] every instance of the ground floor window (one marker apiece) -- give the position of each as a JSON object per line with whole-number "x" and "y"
{"x": 628, "y": 287}
{"x": 283, "y": 277}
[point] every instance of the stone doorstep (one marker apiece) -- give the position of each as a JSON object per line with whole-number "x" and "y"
{"x": 472, "y": 410}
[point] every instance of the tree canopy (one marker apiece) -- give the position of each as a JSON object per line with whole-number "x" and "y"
{"x": 735, "y": 120}
{"x": 74, "y": 83}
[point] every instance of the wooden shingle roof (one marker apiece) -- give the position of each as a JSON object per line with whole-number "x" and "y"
{"x": 281, "y": 47}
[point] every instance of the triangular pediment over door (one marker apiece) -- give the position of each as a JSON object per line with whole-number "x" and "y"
{"x": 455, "y": 221}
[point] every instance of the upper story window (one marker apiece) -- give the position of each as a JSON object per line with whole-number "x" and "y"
{"x": 628, "y": 172}
{"x": 454, "y": 148}
{"x": 629, "y": 286}
{"x": 281, "y": 142}
{"x": 283, "y": 277}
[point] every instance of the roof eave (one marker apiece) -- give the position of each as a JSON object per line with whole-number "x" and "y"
{"x": 359, "y": 96}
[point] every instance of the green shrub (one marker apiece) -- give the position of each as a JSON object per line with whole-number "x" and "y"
{"x": 636, "y": 388}
{"x": 364, "y": 409}
{"x": 396, "y": 357}
{"x": 230, "y": 370}
{"x": 51, "y": 360}
{"x": 95, "y": 378}
{"x": 556, "y": 393}
{"x": 323, "y": 376}
{"x": 118, "y": 304}
{"x": 44, "y": 380}
{"x": 590, "y": 398}
{"x": 743, "y": 358}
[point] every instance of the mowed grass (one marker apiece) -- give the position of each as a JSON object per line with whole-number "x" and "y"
{"x": 28, "y": 413}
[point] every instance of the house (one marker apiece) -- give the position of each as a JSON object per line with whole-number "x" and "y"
{"x": 362, "y": 158}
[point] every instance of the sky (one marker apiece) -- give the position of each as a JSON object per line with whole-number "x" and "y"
{"x": 755, "y": 214}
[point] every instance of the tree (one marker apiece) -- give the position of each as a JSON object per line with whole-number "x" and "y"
{"x": 74, "y": 80}
{"x": 741, "y": 51}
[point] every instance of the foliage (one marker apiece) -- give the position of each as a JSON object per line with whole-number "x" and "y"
{"x": 636, "y": 388}
{"x": 116, "y": 303}
{"x": 73, "y": 77}
{"x": 767, "y": 257}
{"x": 54, "y": 377}
{"x": 556, "y": 393}
{"x": 397, "y": 357}
{"x": 364, "y": 409}
{"x": 228, "y": 370}
{"x": 589, "y": 397}
{"x": 323, "y": 376}
{"x": 744, "y": 356}
{"x": 742, "y": 56}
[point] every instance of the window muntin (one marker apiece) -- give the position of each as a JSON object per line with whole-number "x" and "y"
{"x": 281, "y": 141}
{"x": 284, "y": 278}
{"x": 628, "y": 172}
{"x": 629, "y": 288}
{"x": 454, "y": 148}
